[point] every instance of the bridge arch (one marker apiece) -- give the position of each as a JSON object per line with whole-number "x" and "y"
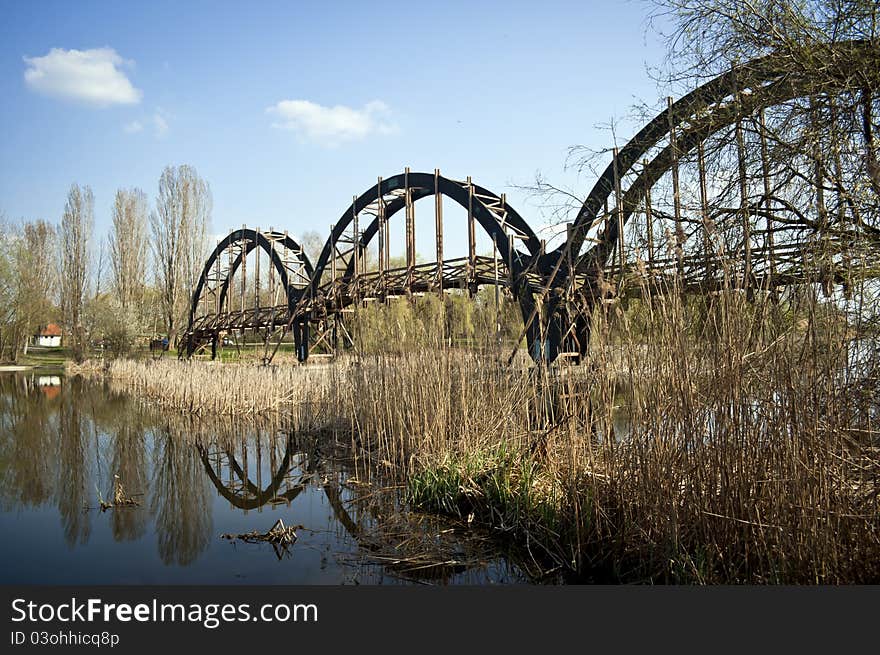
{"x": 731, "y": 97}
{"x": 286, "y": 256}
{"x": 501, "y": 222}
{"x": 497, "y": 218}
{"x": 716, "y": 105}
{"x": 484, "y": 196}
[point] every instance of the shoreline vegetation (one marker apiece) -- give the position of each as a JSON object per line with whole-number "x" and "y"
{"x": 716, "y": 440}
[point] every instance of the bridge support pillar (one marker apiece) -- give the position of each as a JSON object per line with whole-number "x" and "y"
{"x": 214, "y": 340}
{"x": 301, "y": 339}
{"x": 560, "y": 328}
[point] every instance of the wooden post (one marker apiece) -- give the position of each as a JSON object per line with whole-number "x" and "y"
{"x": 765, "y": 173}
{"x": 438, "y": 229}
{"x": 410, "y": 224}
{"x": 385, "y": 222}
{"x": 495, "y": 265}
{"x": 381, "y": 226}
{"x": 497, "y": 290}
{"x": 704, "y": 207}
{"x": 217, "y": 280}
{"x": 272, "y": 300}
{"x": 244, "y": 250}
{"x": 357, "y": 249}
{"x": 410, "y": 233}
{"x": 618, "y": 199}
{"x": 229, "y": 290}
{"x": 272, "y": 266}
{"x": 257, "y": 302}
{"x": 676, "y": 190}
{"x": 206, "y": 289}
{"x": 540, "y": 316}
{"x": 838, "y": 185}
{"x": 471, "y": 233}
{"x": 569, "y": 232}
{"x": 649, "y": 223}
{"x": 510, "y": 251}
{"x": 743, "y": 202}
{"x": 333, "y": 254}
{"x": 287, "y": 267}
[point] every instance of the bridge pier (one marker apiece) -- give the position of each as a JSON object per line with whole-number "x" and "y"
{"x": 301, "y": 339}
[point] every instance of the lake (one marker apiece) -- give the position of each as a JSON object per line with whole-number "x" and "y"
{"x": 193, "y": 486}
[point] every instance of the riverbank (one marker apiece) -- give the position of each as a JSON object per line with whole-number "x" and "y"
{"x": 38, "y": 357}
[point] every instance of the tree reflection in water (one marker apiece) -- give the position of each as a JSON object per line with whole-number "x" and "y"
{"x": 28, "y": 426}
{"x": 71, "y": 490}
{"x": 179, "y": 498}
{"x": 129, "y": 462}
{"x": 65, "y": 447}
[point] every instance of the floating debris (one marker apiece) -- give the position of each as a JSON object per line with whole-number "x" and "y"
{"x": 279, "y": 534}
{"x": 120, "y": 498}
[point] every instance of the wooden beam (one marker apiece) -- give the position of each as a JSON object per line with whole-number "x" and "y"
{"x": 676, "y": 188}
{"x": 438, "y": 229}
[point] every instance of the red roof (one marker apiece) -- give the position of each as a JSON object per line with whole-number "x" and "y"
{"x": 51, "y": 330}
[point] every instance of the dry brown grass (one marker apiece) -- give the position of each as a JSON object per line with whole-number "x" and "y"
{"x": 748, "y": 453}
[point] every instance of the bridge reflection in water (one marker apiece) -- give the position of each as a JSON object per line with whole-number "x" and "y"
{"x": 195, "y": 480}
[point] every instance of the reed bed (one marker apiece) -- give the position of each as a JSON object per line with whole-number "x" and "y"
{"x": 728, "y": 439}
{"x": 210, "y": 388}
{"x": 749, "y": 451}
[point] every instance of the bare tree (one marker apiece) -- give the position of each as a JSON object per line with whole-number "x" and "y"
{"x": 179, "y": 229}
{"x": 76, "y": 231}
{"x": 817, "y": 153}
{"x": 100, "y": 267}
{"x": 128, "y": 248}
{"x": 7, "y": 288}
{"x": 707, "y": 37}
{"x": 312, "y": 244}
{"x": 36, "y": 275}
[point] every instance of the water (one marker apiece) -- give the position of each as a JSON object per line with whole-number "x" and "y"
{"x": 62, "y": 441}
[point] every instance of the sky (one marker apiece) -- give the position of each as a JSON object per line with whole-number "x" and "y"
{"x": 289, "y": 109}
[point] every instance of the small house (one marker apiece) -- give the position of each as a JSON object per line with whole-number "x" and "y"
{"x": 48, "y": 336}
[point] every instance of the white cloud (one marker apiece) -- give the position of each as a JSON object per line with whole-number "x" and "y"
{"x": 133, "y": 127}
{"x": 93, "y": 77}
{"x": 331, "y": 126}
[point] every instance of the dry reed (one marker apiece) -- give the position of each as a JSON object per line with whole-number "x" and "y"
{"x": 748, "y": 453}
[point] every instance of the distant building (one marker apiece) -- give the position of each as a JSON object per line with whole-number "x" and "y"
{"x": 48, "y": 336}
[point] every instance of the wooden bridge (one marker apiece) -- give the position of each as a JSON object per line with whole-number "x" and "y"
{"x": 718, "y": 191}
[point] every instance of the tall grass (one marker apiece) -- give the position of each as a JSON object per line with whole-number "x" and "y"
{"x": 747, "y": 453}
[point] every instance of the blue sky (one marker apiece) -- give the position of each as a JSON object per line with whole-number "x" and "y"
{"x": 289, "y": 109}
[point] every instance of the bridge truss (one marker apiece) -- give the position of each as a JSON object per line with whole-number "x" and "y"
{"x": 696, "y": 201}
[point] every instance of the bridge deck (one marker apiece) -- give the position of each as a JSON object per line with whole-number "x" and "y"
{"x": 794, "y": 263}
